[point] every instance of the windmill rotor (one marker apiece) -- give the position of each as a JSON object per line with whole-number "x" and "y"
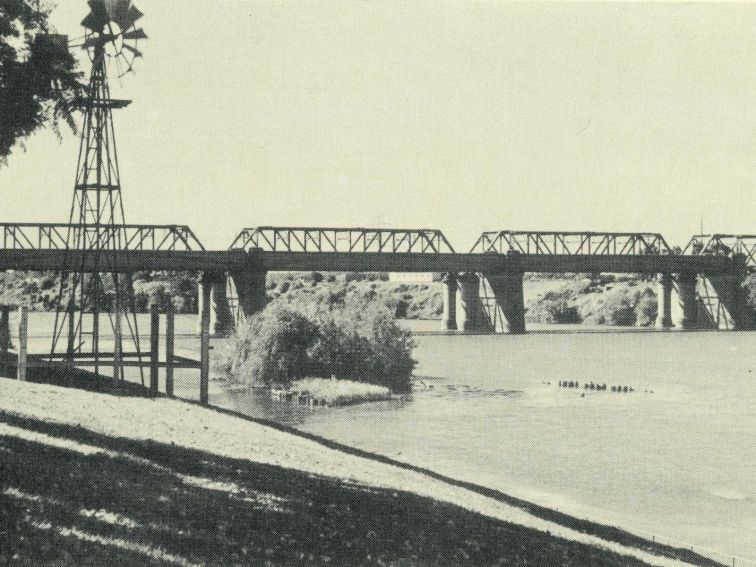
{"x": 111, "y": 31}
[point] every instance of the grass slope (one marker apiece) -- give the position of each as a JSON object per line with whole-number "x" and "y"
{"x": 145, "y": 503}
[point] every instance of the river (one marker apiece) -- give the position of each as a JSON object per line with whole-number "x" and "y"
{"x": 675, "y": 459}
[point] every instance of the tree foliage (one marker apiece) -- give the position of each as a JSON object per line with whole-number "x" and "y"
{"x": 356, "y": 343}
{"x": 39, "y": 81}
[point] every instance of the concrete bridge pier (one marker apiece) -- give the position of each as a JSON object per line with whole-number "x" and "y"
{"x": 471, "y": 307}
{"x": 730, "y": 300}
{"x": 664, "y": 301}
{"x": 507, "y": 288}
{"x": 686, "y": 291}
{"x": 251, "y": 290}
{"x": 450, "y": 302}
{"x": 221, "y": 319}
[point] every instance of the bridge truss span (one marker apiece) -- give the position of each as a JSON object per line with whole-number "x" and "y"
{"x": 349, "y": 240}
{"x": 572, "y": 243}
{"x": 51, "y": 236}
{"x": 723, "y": 245}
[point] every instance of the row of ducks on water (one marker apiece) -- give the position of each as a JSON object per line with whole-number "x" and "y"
{"x": 592, "y": 386}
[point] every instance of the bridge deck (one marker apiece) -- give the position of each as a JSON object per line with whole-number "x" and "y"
{"x": 239, "y": 260}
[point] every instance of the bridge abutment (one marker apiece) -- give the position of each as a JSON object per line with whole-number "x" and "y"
{"x": 664, "y": 301}
{"x": 251, "y": 290}
{"x": 450, "y": 302}
{"x": 686, "y": 292}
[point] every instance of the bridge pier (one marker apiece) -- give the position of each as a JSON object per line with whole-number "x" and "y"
{"x": 726, "y": 300}
{"x": 473, "y": 317}
{"x": 251, "y": 290}
{"x": 507, "y": 288}
{"x": 221, "y": 319}
{"x": 450, "y": 302}
{"x": 664, "y": 301}
{"x": 686, "y": 291}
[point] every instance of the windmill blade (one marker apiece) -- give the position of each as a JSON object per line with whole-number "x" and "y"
{"x": 127, "y": 18}
{"x": 99, "y": 9}
{"x": 116, "y": 8}
{"x": 134, "y": 50}
{"x": 97, "y": 18}
{"x": 136, "y": 34}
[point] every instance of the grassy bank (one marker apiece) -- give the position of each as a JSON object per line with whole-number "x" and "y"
{"x": 158, "y": 482}
{"x": 143, "y": 503}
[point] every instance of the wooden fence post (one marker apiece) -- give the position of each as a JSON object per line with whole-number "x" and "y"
{"x": 23, "y": 343}
{"x": 154, "y": 348}
{"x": 118, "y": 332}
{"x": 169, "y": 344}
{"x": 205, "y": 340}
{"x": 5, "y": 334}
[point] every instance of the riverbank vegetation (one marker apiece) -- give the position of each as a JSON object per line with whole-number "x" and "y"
{"x": 599, "y": 300}
{"x": 613, "y": 300}
{"x": 314, "y": 291}
{"x": 41, "y": 290}
{"x": 353, "y": 341}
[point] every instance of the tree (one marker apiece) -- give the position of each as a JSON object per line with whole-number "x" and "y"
{"x": 39, "y": 81}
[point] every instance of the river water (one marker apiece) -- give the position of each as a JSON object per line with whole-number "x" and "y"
{"x": 675, "y": 459}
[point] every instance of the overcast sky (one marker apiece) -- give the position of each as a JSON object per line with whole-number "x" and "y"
{"x": 461, "y": 116}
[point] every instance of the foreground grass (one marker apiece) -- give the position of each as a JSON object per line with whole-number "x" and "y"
{"x": 144, "y": 503}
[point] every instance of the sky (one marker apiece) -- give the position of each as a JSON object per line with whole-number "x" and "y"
{"x": 463, "y": 116}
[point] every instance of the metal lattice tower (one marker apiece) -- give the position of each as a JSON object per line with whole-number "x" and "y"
{"x": 93, "y": 299}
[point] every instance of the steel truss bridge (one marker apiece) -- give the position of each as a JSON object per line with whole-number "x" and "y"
{"x": 50, "y": 236}
{"x": 315, "y": 239}
{"x": 571, "y": 243}
{"x": 723, "y": 245}
{"x": 42, "y": 246}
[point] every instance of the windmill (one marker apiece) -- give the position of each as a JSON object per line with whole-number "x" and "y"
{"x": 92, "y": 294}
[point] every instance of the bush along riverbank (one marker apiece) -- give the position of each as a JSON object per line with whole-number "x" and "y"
{"x": 348, "y": 354}
{"x": 599, "y": 300}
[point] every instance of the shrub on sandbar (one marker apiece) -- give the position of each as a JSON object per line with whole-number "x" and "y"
{"x": 355, "y": 342}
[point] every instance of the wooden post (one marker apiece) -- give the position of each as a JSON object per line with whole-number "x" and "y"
{"x": 205, "y": 340}
{"x": 23, "y": 343}
{"x": 154, "y": 348}
{"x": 118, "y": 333}
{"x": 169, "y": 344}
{"x": 5, "y": 334}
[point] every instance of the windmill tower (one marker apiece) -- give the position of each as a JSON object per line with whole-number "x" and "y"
{"x": 94, "y": 300}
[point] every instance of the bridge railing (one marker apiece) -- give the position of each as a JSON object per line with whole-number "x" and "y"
{"x": 572, "y": 243}
{"x": 54, "y": 236}
{"x": 723, "y": 245}
{"x": 315, "y": 239}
